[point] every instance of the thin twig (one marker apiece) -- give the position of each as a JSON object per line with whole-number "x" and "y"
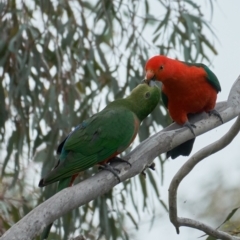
{"x": 185, "y": 170}
{"x": 34, "y": 222}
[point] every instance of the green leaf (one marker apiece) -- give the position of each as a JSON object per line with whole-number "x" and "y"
{"x": 10, "y": 147}
{"x": 61, "y": 68}
{"x": 144, "y": 190}
{"x": 132, "y": 219}
{"x": 130, "y": 41}
{"x": 40, "y": 155}
{"x": 164, "y": 22}
{"x": 154, "y": 184}
{"x": 229, "y": 216}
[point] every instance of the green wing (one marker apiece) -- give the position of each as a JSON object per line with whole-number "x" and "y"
{"x": 95, "y": 140}
{"x": 211, "y": 77}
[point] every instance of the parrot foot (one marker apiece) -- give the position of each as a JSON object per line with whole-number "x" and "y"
{"x": 215, "y": 113}
{"x": 190, "y": 126}
{"x": 118, "y": 159}
{"x": 151, "y": 166}
{"x": 111, "y": 169}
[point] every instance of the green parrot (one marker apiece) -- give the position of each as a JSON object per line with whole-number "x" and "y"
{"x": 102, "y": 137}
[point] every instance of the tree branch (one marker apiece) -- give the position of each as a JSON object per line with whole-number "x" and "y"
{"x": 185, "y": 170}
{"x": 33, "y": 223}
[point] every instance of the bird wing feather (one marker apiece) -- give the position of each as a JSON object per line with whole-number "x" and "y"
{"x": 99, "y": 138}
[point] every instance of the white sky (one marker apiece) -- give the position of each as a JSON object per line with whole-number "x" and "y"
{"x": 226, "y": 66}
{"x": 226, "y": 163}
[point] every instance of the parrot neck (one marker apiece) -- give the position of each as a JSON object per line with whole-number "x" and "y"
{"x": 142, "y": 101}
{"x": 134, "y": 106}
{"x": 138, "y": 108}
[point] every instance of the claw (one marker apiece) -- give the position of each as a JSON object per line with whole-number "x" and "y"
{"x": 111, "y": 169}
{"x": 151, "y": 166}
{"x": 190, "y": 126}
{"x": 143, "y": 174}
{"x": 118, "y": 159}
{"x": 215, "y": 113}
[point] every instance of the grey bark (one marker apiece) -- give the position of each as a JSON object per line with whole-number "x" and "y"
{"x": 33, "y": 223}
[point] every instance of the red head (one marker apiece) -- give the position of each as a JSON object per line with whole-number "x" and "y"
{"x": 158, "y": 68}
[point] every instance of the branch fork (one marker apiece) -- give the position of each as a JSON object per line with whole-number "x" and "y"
{"x": 143, "y": 155}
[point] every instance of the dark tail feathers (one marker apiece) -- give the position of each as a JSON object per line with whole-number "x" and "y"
{"x": 183, "y": 149}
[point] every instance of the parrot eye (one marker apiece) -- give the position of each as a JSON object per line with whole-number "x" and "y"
{"x": 147, "y": 95}
{"x": 161, "y": 67}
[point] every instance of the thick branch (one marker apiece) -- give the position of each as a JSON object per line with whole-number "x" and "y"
{"x": 34, "y": 222}
{"x": 185, "y": 170}
{"x": 233, "y": 101}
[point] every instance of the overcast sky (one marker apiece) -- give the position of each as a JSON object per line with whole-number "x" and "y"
{"x": 226, "y": 65}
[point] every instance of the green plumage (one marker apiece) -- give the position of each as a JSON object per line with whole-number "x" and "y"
{"x": 105, "y": 134}
{"x": 185, "y": 148}
{"x": 187, "y": 88}
{"x": 211, "y": 77}
{"x": 101, "y": 137}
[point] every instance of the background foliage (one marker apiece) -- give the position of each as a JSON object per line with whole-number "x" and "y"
{"x": 62, "y": 61}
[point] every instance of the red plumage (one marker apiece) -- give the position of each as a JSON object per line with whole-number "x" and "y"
{"x": 186, "y": 87}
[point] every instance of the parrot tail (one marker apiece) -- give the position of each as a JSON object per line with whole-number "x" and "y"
{"x": 183, "y": 149}
{"x": 67, "y": 182}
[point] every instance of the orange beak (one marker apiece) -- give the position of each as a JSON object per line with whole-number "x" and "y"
{"x": 149, "y": 75}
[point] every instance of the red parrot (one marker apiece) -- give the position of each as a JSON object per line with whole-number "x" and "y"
{"x": 187, "y": 88}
